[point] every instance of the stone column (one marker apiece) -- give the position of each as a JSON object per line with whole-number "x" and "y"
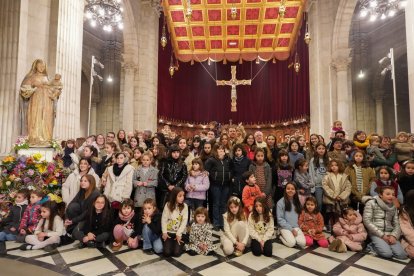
{"x": 409, "y": 26}
{"x": 344, "y": 102}
{"x": 9, "y": 83}
{"x": 379, "y": 115}
{"x": 68, "y": 63}
{"x": 127, "y": 112}
{"x": 146, "y": 79}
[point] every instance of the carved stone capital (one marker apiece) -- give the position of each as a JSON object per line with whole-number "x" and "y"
{"x": 129, "y": 67}
{"x": 342, "y": 63}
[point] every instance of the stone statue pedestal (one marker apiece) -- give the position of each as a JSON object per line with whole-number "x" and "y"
{"x": 47, "y": 153}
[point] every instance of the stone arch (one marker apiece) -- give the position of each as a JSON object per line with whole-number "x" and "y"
{"x": 343, "y": 21}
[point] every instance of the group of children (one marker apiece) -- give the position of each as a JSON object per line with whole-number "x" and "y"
{"x": 166, "y": 207}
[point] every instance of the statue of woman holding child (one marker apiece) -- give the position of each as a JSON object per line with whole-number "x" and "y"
{"x": 39, "y": 97}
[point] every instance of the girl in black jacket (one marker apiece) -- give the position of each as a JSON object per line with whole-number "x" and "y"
{"x": 97, "y": 228}
{"x": 240, "y": 165}
{"x": 173, "y": 173}
{"x": 219, "y": 168}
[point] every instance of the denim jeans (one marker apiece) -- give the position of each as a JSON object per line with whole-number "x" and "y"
{"x": 151, "y": 240}
{"x": 319, "y": 195}
{"x": 220, "y": 195}
{"x": 7, "y": 237}
{"x": 386, "y": 250}
{"x": 194, "y": 203}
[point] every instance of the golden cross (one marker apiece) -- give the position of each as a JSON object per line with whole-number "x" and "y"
{"x": 233, "y": 82}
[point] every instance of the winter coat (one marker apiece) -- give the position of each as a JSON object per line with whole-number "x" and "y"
{"x": 31, "y": 217}
{"x": 201, "y": 182}
{"x": 356, "y": 228}
{"x": 239, "y": 167}
{"x": 261, "y": 231}
{"x": 118, "y": 188}
{"x": 295, "y": 156}
{"x": 312, "y": 221}
{"x": 144, "y": 192}
{"x": 268, "y": 176}
{"x": 407, "y": 231}
{"x": 94, "y": 224}
{"x": 14, "y": 218}
{"x": 84, "y": 204}
{"x": 406, "y": 183}
{"x": 368, "y": 175}
{"x": 404, "y": 150}
{"x": 381, "y": 219}
{"x": 72, "y": 185}
{"x": 173, "y": 173}
{"x": 219, "y": 170}
{"x": 330, "y": 191}
{"x": 155, "y": 224}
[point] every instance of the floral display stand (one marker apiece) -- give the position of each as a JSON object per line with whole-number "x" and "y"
{"x": 47, "y": 153}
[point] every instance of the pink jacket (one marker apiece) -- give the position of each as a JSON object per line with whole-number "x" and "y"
{"x": 407, "y": 229}
{"x": 356, "y": 229}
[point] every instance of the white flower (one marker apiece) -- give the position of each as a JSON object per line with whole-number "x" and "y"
{"x": 8, "y": 183}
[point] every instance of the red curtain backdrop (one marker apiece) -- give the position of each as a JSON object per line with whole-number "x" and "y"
{"x": 276, "y": 94}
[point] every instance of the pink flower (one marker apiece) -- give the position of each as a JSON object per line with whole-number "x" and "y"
{"x": 30, "y": 172}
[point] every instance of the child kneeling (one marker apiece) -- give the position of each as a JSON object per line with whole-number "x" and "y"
{"x": 126, "y": 226}
{"x": 381, "y": 220}
{"x": 261, "y": 228}
{"x": 349, "y": 232}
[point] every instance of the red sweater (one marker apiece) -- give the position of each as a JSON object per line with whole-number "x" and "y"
{"x": 249, "y": 195}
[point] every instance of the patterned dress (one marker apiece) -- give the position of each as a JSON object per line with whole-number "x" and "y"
{"x": 201, "y": 233}
{"x": 261, "y": 182}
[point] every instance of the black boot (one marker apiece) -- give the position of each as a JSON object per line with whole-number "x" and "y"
{"x": 3, "y": 248}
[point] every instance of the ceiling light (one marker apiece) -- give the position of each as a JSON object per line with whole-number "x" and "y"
{"x": 374, "y": 9}
{"x": 107, "y": 13}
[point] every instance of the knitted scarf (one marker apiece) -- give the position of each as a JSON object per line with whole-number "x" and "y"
{"x": 359, "y": 180}
{"x": 126, "y": 218}
{"x": 118, "y": 169}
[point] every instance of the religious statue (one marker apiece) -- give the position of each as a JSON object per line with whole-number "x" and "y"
{"x": 39, "y": 98}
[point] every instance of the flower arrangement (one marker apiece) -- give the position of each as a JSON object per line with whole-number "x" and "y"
{"x": 29, "y": 172}
{"x": 21, "y": 143}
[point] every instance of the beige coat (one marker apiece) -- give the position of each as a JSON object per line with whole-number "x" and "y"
{"x": 330, "y": 191}
{"x": 119, "y": 188}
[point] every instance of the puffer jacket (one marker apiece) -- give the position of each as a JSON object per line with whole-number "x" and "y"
{"x": 381, "y": 219}
{"x": 356, "y": 228}
{"x": 407, "y": 230}
{"x": 219, "y": 170}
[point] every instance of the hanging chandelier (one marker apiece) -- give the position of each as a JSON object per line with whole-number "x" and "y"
{"x": 106, "y": 13}
{"x": 380, "y": 9}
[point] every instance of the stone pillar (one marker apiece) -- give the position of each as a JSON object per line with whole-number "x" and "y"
{"x": 409, "y": 26}
{"x": 344, "y": 102}
{"x": 128, "y": 97}
{"x": 379, "y": 115}
{"x": 146, "y": 78}
{"x": 9, "y": 83}
{"x": 67, "y": 52}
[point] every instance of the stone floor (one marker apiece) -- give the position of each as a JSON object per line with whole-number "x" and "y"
{"x": 69, "y": 260}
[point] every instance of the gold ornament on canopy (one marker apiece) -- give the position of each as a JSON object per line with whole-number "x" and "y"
{"x": 164, "y": 36}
